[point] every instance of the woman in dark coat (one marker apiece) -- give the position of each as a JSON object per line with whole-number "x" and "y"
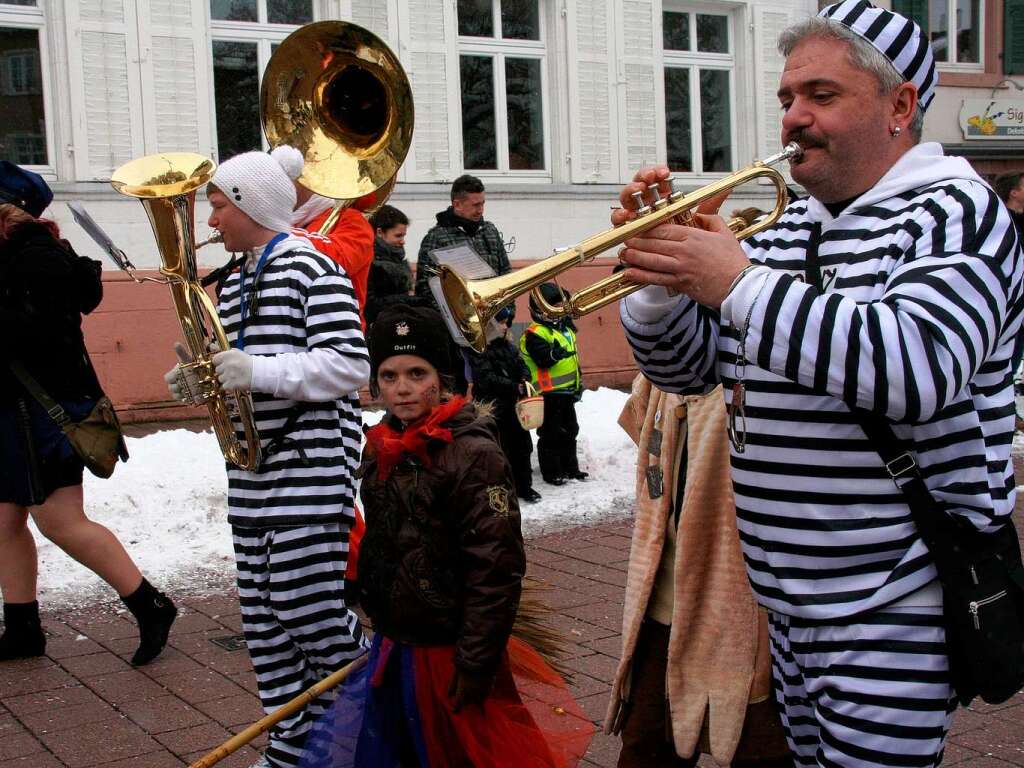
{"x": 390, "y": 275}
{"x": 45, "y": 287}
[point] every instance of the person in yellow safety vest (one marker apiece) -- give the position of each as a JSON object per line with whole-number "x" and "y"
{"x": 549, "y": 349}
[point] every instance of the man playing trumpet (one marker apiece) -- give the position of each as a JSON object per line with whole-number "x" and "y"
{"x": 895, "y": 288}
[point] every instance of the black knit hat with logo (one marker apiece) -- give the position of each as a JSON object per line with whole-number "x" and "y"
{"x": 401, "y": 329}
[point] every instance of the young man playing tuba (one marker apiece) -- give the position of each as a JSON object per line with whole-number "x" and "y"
{"x": 297, "y": 345}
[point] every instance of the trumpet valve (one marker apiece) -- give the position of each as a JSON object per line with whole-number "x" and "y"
{"x": 642, "y": 208}
{"x": 659, "y": 202}
{"x": 673, "y": 193}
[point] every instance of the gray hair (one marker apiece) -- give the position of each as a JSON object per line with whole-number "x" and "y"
{"x": 862, "y": 55}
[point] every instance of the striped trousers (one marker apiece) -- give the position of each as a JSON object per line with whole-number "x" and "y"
{"x": 296, "y": 624}
{"x": 874, "y": 692}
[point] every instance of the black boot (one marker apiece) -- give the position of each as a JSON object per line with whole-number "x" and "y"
{"x": 23, "y": 634}
{"x": 155, "y": 613}
{"x": 550, "y": 467}
{"x": 571, "y": 463}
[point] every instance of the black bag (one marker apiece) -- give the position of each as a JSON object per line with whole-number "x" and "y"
{"x": 97, "y": 438}
{"x": 982, "y": 581}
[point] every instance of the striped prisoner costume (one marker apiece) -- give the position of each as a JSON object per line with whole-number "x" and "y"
{"x": 907, "y": 304}
{"x": 290, "y": 519}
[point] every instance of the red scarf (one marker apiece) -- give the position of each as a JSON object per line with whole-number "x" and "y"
{"x": 390, "y": 445}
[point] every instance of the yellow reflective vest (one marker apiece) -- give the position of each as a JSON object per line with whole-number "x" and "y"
{"x": 565, "y": 373}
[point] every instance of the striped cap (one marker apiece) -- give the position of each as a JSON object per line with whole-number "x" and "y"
{"x": 896, "y": 37}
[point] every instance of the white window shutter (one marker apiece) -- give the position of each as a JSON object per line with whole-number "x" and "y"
{"x": 639, "y": 69}
{"x": 592, "y": 91}
{"x": 103, "y": 53}
{"x": 427, "y": 31}
{"x": 174, "y": 75}
{"x": 371, "y": 15}
{"x": 768, "y": 24}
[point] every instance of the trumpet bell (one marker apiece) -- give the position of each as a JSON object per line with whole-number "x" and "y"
{"x": 339, "y": 95}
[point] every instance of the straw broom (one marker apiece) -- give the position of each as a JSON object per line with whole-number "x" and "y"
{"x": 260, "y": 726}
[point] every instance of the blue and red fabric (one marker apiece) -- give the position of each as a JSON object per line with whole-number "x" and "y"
{"x": 395, "y": 712}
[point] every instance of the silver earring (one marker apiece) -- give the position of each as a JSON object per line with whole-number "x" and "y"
{"x": 896, "y": 131}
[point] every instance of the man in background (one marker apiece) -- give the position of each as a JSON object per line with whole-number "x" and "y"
{"x": 1010, "y": 188}
{"x": 461, "y": 223}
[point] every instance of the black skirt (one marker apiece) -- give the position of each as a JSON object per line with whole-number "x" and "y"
{"x": 35, "y": 454}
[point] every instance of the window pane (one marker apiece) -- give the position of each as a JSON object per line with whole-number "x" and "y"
{"x": 479, "y": 149}
{"x": 715, "y": 127}
{"x": 525, "y": 114}
{"x": 520, "y": 19}
{"x": 237, "y": 95}
{"x": 938, "y": 25}
{"x": 23, "y": 130}
{"x": 289, "y": 11}
{"x": 476, "y": 18}
{"x": 676, "y": 31}
{"x": 233, "y": 10}
{"x": 712, "y": 33}
{"x": 968, "y": 31}
{"x": 677, "y": 119}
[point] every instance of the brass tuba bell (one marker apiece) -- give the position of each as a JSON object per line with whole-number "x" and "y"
{"x": 339, "y": 95}
{"x": 166, "y": 186}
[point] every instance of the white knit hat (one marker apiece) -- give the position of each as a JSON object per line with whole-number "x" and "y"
{"x": 262, "y": 185}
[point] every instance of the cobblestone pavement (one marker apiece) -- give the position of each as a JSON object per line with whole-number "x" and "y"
{"x": 83, "y": 705}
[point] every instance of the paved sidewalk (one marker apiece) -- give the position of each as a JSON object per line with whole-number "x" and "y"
{"x": 84, "y": 705}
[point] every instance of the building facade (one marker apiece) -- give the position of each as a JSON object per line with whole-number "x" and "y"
{"x": 553, "y": 103}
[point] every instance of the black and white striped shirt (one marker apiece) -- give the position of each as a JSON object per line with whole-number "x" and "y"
{"x": 310, "y": 358}
{"x": 915, "y": 318}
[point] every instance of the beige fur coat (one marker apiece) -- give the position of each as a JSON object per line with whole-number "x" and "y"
{"x": 718, "y": 648}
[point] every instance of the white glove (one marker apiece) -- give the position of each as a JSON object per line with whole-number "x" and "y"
{"x": 234, "y": 370}
{"x": 171, "y": 377}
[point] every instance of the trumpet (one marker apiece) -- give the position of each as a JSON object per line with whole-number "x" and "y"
{"x": 472, "y": 303}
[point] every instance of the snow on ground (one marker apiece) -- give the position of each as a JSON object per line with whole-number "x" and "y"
{"x": 168, "y": 505}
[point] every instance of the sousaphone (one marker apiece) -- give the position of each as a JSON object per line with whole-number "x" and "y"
{"x": 339, "y": 95}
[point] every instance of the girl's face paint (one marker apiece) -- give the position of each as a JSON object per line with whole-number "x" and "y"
{"x": 409, "y": 386}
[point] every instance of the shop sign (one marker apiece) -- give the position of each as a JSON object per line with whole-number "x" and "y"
{"x": 996, "y": 118}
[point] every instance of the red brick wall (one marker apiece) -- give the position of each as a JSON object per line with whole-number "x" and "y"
{"x": 132, "y": 333}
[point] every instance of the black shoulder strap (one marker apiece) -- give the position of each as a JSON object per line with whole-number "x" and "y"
{"x": 52, "y": 407}
{"x": 930, "y": 519}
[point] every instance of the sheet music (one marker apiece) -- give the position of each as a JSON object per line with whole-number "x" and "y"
{"x": 453, "y": 328}
{"x": 464, "y": 260}
{"x": 95, "y": 231}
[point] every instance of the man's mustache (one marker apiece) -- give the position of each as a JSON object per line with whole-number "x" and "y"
{"x": 806, "y": 140}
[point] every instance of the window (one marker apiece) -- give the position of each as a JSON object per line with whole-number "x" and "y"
{"x": 23, "y": 134}
{"x": 954, "y": 27}
{"x": 502, "y": 76}
{"x": 245, "y": 34}
{"x": 26, "y": 148}
{"x": 955, "y": 30}
{"x": 699, "y": 111}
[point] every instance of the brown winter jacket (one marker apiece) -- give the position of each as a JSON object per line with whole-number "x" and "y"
{"x": 442, "y": 560}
